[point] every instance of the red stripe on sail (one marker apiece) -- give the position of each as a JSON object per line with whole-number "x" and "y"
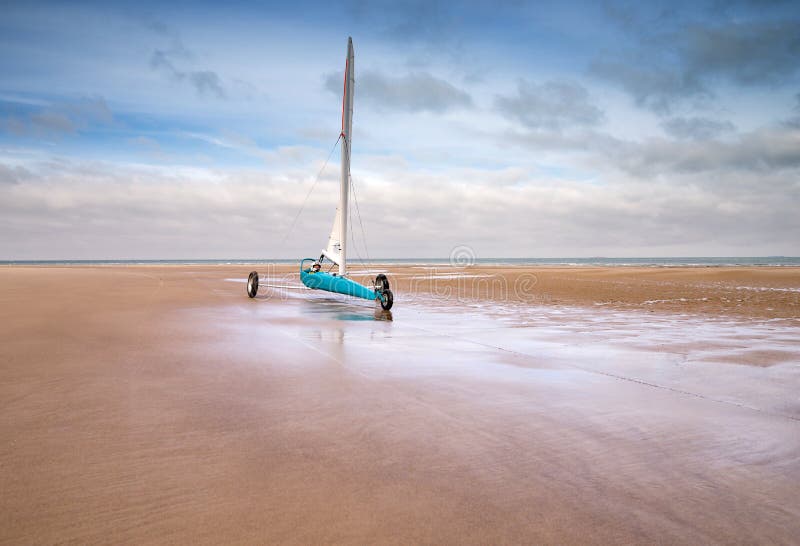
{"x": 344, "y": 90}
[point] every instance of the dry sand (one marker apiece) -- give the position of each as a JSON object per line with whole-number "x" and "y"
{"x": 160, "y": 404}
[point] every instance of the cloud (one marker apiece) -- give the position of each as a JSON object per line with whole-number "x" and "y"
{"x": 686, "y": 62}
{"x": 762, "y": 151}
{"x": 794, "y": 122}
{"x": 21, "y": 99}
{"x": 422, "y": 29}
{"x": 51, "y": 122}
{"x": 153, "y": 23}
{"x": 13, "y": 175}
{"x": 758, "y": 152}
{"x": 652, "y": 85}
{"x": 278, "y": 157}
{"x": 61, "y": 118}
{"x": 205, "y": 82}
{"x": 66, "y": 208}
{"x": 751, "y": 53}
{"x": 551, "y": 105}
{"x": 413, "y": 92}
{"x": 151, "y": 148}
{"x": 696, "y": 128}
{"x": 406, "y": 19}
{"x": 584, "y": 141}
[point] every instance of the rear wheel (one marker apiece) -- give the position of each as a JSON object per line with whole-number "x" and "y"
{"x": 252, "y": 284}
{"x": 388, "y": 300}
{"x": 381, "y": 283}
{"x": 382, "y": 288}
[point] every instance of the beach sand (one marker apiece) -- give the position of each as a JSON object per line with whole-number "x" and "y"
{"x": 152, "y": 404}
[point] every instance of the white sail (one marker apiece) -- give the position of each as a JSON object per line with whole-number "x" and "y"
{"x": 333, "y": 251}
{"x": 336, "y": 251}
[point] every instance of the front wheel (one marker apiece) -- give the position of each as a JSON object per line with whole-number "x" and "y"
{"x": 388, "y": 300}
{"x": 252, "y": 284}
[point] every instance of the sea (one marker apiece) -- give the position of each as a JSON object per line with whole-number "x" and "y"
{"x": 700, "y": 261}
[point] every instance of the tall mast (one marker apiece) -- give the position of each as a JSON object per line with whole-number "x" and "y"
{"x": 347, "y": 130}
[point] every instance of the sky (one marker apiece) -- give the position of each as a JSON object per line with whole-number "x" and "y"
{"x": 195, "y": 130}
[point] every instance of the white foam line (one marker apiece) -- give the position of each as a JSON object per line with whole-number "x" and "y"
{"x": 651, "y": 302}
{"x": 265, "y": 285}
{"x": 767, "y": 289}
{"x": 366, "y": 271}
{"x": 451, "y": 276}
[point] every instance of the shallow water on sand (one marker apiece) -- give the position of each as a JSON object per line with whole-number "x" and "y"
{"x": 684, "y": 427}
{"x": 695, "y": 355}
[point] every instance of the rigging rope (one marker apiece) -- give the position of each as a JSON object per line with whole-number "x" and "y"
{"x": 366, "y": 266}
{"x": 361, "y": 224}
{"x": 314, "y": 185}
{"x": 353, "y": 240}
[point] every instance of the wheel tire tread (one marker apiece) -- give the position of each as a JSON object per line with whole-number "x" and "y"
{"x": 252, "y": 284}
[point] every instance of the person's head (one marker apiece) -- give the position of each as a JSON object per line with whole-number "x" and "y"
{"x": 316, "y": 266}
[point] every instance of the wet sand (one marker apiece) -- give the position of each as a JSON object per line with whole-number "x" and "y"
{"x": 160, "y": 404}
{"x": 761, "y": 292}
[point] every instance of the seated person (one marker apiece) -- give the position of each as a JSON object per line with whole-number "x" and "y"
{"x": 315, "y": 268}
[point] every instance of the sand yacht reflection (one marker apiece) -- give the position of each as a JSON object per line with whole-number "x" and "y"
{"x": 335, "y": 309}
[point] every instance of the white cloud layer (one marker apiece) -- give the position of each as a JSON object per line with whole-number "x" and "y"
{"x": 64, "y": 209}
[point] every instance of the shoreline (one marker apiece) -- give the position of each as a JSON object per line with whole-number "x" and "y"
{"x": 468, "y": 260}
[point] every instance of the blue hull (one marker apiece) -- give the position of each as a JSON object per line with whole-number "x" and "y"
{"x": 332, "y": 283}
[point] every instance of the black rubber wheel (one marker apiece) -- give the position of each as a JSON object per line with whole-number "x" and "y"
{"x": 381, "y": 283}
{"x": 252, "y": 284}
{"x": 386, "y": 305}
